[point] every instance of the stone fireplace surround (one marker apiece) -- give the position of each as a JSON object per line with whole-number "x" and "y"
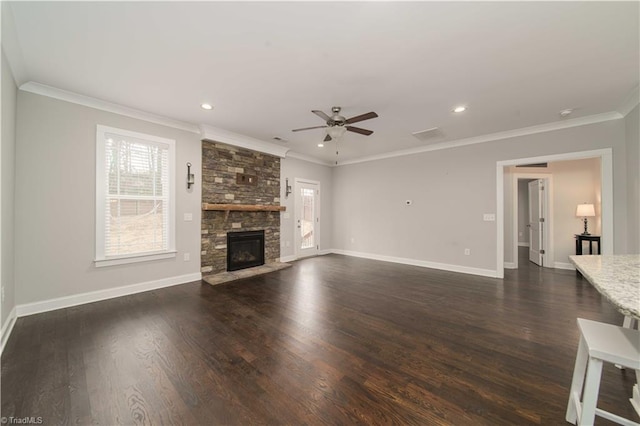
{"x": 233, "y": 175}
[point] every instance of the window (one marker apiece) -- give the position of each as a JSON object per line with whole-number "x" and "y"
{"x": 134, "y": 197}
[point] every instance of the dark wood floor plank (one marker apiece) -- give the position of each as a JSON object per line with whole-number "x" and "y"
{"x": 332, "y": 340}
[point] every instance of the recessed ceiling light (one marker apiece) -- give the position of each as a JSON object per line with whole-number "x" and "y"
{"x": 206, "y": 106}
{"x": 566, "y": 112}
{"x": 320, "y": 145}
{"x": 460, "y": 108}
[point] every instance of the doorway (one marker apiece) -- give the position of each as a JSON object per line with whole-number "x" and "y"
{"x": 307, "y": 218}
{"x": 606, "y": 201}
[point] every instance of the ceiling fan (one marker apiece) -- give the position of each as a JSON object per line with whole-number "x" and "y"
{"x": 337, "y": 125}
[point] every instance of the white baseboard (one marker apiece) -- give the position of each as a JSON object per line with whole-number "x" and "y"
{"x": 509, "y": 265}
{"x": 7, "y": 328}
{"x": 523, "y": 244}
{"x": 422, "y": 263}
{"x": 564, "y": 265}
{"x": 96, "y": 296}
{"x": 294, "y": 257}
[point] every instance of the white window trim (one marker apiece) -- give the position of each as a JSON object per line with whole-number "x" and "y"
{"x": 100, "y": 258}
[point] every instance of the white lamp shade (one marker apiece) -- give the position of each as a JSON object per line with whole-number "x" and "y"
{"x": 585, "y": 210}
{"x": 336, "y": 132}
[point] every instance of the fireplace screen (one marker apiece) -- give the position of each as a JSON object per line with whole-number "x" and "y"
{"x": 245, "y": 250}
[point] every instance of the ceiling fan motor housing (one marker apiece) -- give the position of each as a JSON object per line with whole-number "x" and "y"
{"x": 336, "y": 118}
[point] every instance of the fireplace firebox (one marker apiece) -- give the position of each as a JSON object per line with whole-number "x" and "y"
{"x": 245, "y": 249}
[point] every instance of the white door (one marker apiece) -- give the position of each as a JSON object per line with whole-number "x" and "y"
{"x": 536, "y": 221}
{"x": 307, "y": 218}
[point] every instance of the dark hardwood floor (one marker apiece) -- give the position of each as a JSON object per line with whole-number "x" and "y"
{"x": 332, "y": 340}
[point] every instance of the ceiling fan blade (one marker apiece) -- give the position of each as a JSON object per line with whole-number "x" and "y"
{"x": 327, "y": 138}
{"x": 309, "y": 128}
{"x": 362, "y": 117}
{"x": 321, "y": 114}
{"x": 359, "y": 130}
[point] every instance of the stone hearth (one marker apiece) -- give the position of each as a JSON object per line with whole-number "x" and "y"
{"x": 225, "y": 277}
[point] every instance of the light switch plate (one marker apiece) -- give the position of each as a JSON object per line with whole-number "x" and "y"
{"x": 188, "y": 217}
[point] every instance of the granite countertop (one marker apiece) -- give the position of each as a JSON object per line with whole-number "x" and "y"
{"x": 617, "y": 277}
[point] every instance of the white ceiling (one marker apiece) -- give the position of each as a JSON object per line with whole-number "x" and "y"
{"x": 265, "y": 66}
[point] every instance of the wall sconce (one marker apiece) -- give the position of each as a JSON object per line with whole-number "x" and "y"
{"x": 287, "y": 188}
{"x": 585, "y": 211}
{"x": 190, "y": 177}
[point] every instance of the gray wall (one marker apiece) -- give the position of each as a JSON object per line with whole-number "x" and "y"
{"x": 55, "y": 202}
{"x": 451, "y": 189}
{"x": 293, "y": 168}
{"x": 632, "y": 125}
{"x": 7, "y": 155}
{"x": 363, "y": 205}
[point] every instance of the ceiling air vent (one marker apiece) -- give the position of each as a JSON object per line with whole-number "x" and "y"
{"x": 533, "y": 165}
{"x": 430, "y": 135}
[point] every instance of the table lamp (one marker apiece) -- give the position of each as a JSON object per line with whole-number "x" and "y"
{"x": 585, "y": 211}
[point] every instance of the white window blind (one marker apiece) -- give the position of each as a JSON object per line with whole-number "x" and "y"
{"x": 134, "y": 194}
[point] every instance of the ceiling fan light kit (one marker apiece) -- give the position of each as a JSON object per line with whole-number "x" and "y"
{"x": 336, "y": 132}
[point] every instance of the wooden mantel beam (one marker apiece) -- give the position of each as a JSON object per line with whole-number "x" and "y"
{"x": 243, "y": 207}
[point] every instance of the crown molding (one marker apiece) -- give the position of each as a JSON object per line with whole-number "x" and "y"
{"x": 11, "y": 45}
{"x": 298, "y": 156}
{"x": 216, "y": 134}
{"x": 525, "y": 131}
{"x": 224, "y": 136}
{"x": 630, "y": 103}
{"x": 64, "y": 95}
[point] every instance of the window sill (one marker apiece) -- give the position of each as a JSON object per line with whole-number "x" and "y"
{"x": 121, "y": 260}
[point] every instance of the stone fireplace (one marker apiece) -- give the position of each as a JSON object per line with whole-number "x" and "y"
{"x": 240, "y": 194}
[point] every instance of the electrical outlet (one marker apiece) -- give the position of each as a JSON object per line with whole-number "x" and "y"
{"x": 489, "y": 217}
{"x": 353, "y": 240}
{"x": 188, "y": 217}
{"x": 467, "y": 252}
{"x": 187, "y": 257}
